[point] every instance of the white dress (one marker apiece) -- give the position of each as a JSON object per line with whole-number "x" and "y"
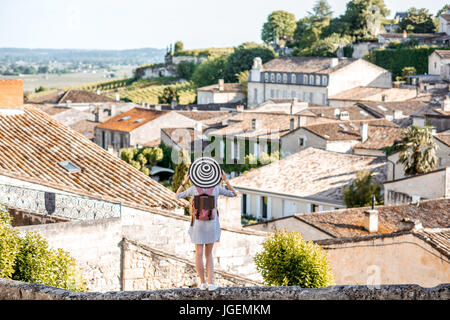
{"x": 205, "y": 231}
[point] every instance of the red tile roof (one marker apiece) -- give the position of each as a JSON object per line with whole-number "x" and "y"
{"x": 32, "y": 144}
{"x": 227, "y": 87}
{"x": 132, "y": 119}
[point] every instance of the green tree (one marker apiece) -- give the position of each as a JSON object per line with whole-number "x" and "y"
{"x": 242, "y": 78}
{"x": 168, "y": 95}
{"x": 443, "y": 10}
{"x": 184, "y": 161}
{"x": 178, "y": 46}
{"x": 142, "y": 159}
{"x": 408, "y": 71}
{"x": 280, "y": 25}
{"x": 417, "y": 150}
{"x": 242, "y": 59}
{"x": 210, "y": 71}
{"x": 359, "y": 193}
{"x": 418, "y": 21}
{"x": 325, "y": 47}
{"x": 321, "y": 11}
{"x": 185, "y": 70}
{"x": 288, "y": 260}
{"x": 361, "y": 19}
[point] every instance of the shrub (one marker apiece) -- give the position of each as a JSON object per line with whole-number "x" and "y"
{"x": 360, "y": 192}
{"x": 9, "y": 245}
{"x": 36, "y": 262}
{"x": 288, "y": 260}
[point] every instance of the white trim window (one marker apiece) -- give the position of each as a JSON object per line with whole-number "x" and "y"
{"x": 324, "y": 80}
{"x": 278, "y": 78}
{"x": 305, "y": 79}
{"x": 293, "y": 78}
{"x": 266, "y": 77}
{"x": 222, "y": 148}
{"x": 311, "y": 79}
{"x": 272, "y": 77}
{"x": 318, "y": 80}
{"x": 284, "y": 78}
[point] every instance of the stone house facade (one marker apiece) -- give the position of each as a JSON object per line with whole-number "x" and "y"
{"x": 311, "y": 79}
{"x": 437, "y": 61}
{"x": 220, "y": 93}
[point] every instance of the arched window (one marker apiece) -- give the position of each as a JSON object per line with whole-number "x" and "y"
{"x": 305, "y": 79}
{"x": 311, "y": 79}
{"x": 272, "y": 77}
{"x": 293, "y": 78}
{"x": 284, "y": 78}
{"x": 318, "y": 80}
{"x": 278, "y": 78}
{"x": 324, "y": 80}
{"x": 266, "y": 77}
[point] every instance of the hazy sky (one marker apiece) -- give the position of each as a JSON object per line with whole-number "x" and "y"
{"x": 127, "y": 24}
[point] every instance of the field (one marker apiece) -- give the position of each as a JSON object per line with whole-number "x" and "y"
{"x": 66, "y": 80}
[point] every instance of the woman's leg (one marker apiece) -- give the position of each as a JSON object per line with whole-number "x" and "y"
{"x": 199, "y": 262}
{"x": 209, "y": 262}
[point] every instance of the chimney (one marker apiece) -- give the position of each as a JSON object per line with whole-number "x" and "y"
{"x": 11, "y": 95}
{"x": 97, "y": 114}
{"x": 371, "y": 220}
{"x": 405, "y": 34}
{"x": 334, "y": 62}
{"x": 256, "y": 124}
{"x": 291, "y": 124}
{"x": 398, "y": 114}
{"x": 364, "y": 132}
{"x": 221, "y": 85}
{"x": 446, "y": 104}
{"x": 117, "y": 96}
{"x": 98, "y": 91}
{"x": 344, "y": 116}
{"x": 240, "y": 108}
{"x": 301, "y": 121}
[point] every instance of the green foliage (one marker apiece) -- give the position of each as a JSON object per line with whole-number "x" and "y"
{"x": 242, "y": 59}
{"x": 40, "y": 89}
{"x": 361, "y": 19}
{"x": 181, "y": 170}
{"x": 408, "y": 71}
{"x": 205, "y": 52}
{"x": 185, "y": 70}
{"x": 178, "y": 46}
{"x": 28, "y": 257}
{"x": 168, "y": 95}
{"x": 360, "y": 192}
{"x": 9, "y": 244}
{"x": 325, "y": 47}
{"x": 251, "y": 162}
{"x": 36, "y": 262}
{"x": 443, "y": 10}
{"x": 396, "y": 60}
{"x": 242, "y": 78}
{"x": 210, "y": 71}
{"x": 166, "y": 161}
{"x": 280, "y": 25}
{"x": 418, "y": 21}
{"x": 417, "y": 150}
{"x": 142, "y": 159}
{"x": 288, "y": 260}
{"x": 321, "y": 11}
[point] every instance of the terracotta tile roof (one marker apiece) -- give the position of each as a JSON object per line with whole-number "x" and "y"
{"x": 348, "y": 130}
{"x": 432, "y": 213}
{"x": 181, "y": 141}
{"x": 153, "y": 143}
{"x": 207, "y": 117}
{"x": 439, "y": 238}
{"x": 444, "y": 137}
{"x": 381, "y": 108}
{"x": 374, "y": 94}
{"x": 444, "y": 54}
{"x": 75, "y": 96}
{"x": 311, "y": 173}
{"x": 85, "y": 127}
{"x": 32, "y": 144}
{"x": 380, "y": 137}
{"x": 304, "y": 65}
{"x": 227, "y": 87}
{"x": 131, "y": 119}
{"x": 355, "y": 112}
{"x": 445, "y": 16}
{"x": 272, "y": 126}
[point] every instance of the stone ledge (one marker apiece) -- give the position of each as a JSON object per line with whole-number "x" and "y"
{"x": 16, "y": 290}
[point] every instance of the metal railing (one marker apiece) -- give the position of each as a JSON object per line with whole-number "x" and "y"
{"x": 52, "y": 204}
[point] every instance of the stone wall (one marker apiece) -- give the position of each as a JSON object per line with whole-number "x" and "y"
{"x": 15, "y": 290}
{"x": 146, "y": 268}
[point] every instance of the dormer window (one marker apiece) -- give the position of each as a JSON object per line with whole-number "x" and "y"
{"x": 318, "y": 80}
{"x": 305, "y": 79}
{"x": 293, "y": 79}
{"x": 278, "y": 78}
{"x": 266, "y": 77}
{"x": 324, "y": 80}
{"x": 311, "y": 79}
{"x": 284, "y": 78}
{"x": 272, "y": 77}
{"x": 69, "y": 166}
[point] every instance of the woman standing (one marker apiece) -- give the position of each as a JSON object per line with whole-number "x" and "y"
{"x": 205, "y": 232}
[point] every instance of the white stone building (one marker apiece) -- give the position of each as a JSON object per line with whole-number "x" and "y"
{"x": 437, "y": 62}
{"x": 311, "y": 79}
{"x": 220, "y": 93}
